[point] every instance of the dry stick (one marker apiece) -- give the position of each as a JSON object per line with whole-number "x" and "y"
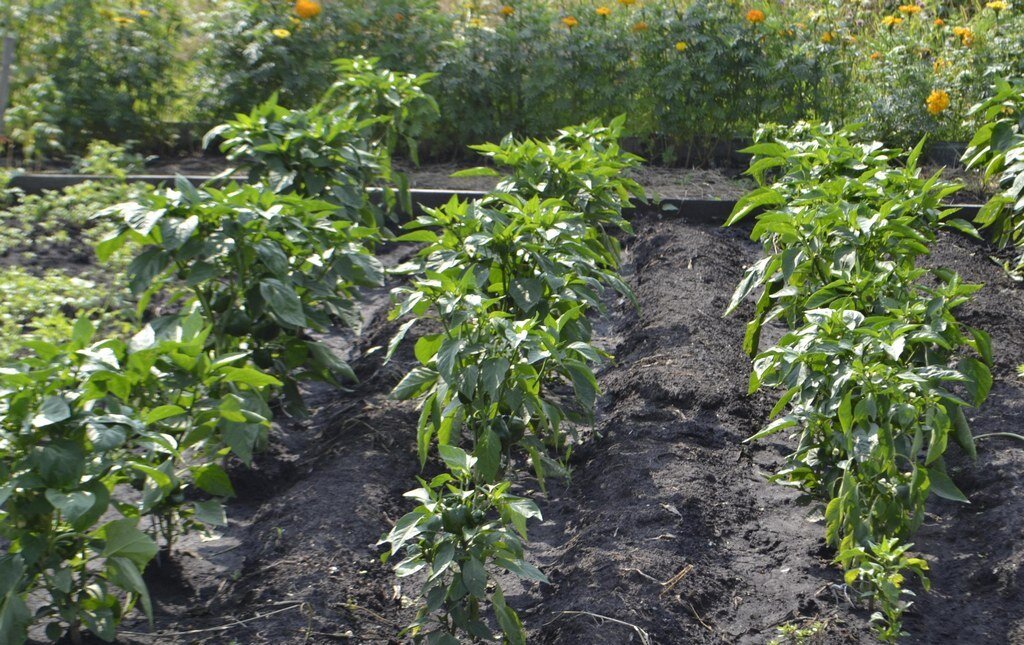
{"x": 645, "y": 638}
{"x": 699, "y": 619}
{"x": 676, "y": 579}
{"x": 221, "y": 628}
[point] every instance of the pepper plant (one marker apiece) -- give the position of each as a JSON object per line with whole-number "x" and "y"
{"x": 510, "y": 280}
{"x": 998, "y": 147}
{"x": 264, "y": 269}
{"x": 875, "y": 367}
{"x": 84, "y": 423}
{"x": 459, "y": 530}
{"x": 339, "y": 147}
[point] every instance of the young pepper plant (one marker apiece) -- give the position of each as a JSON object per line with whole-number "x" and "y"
{"x": 459, "y": 530}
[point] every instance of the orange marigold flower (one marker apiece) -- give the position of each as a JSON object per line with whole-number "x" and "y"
{"x": 939, "y": 22}
{"x": 640, "y": 26}
{"x": 570, "y": 22}
{"x": 910, "y": 9}
{"x": 937, "y": 102}
{"x": 507, "y": 11}
{"x": 755, "y": 16}
{"x": 875, "y": 55}
{"x": 603, "y": 11}
{"x": 307, "y": 9}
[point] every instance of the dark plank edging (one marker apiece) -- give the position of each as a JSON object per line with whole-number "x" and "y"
{"x": 697, "y": 211}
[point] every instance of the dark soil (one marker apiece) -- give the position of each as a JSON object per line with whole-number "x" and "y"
{"x": 668, "y": 529}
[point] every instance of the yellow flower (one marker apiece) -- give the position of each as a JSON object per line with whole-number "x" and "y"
{"x": 937, "y": 101}
{"x": 891, "y": 21}
{"x": 281, "y": 33}
{"x": 626, "y": 3}
{"x": 755, "y": 16}
{"x": 121, "y": 20}
{"x": 640, "y": 26}
{"x": 570, "y": 22}
{"x": 997, "y": 5}
{"x": 507, "y": 11}
{"x": 476, "y": 23}
{"x": 939, "y": 22}
{"x": 144, "y": 13}
{"x": 603, "y": 11}
{"x": 827, "y": 37}
{"x": 965, "y": 35}
{"x": 307, "y": 9}
{"x": 910, "y": 9}
{"x": 681, "y": 46}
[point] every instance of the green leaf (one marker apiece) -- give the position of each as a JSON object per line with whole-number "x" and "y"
{"x": 979, "y": 379}
{"x": 124, "y": 540}
{"x": 163, "y": 412}
{"x": 210, "y": 512}
{"x": 943, "y": 486}
{"x": 249, "y": 376}
{"x": 526, "y": 292}
{"x": 54, "y": 409}
{"x": 15, "y": 619}
{"x": 213, "y": 479}
{"x": 456, "y": 458}
{"x": 509, "y": 622}
{"x": 488, "y": 454}
{"x": 474, "y": 576}
{"x": 415, "y": 383}
{"x": 125, "y": 573}
{"x": 73, "y": 505}
{"x": 284, "y": 304}
{"x": 325, "y": 356}
{"x": 962, "y": 432}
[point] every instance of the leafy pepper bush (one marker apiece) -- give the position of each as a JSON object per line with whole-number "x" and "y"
{"x": 876, "y": 371}
{"x": 510, "y": 279}
{"x": 84, "y": 424}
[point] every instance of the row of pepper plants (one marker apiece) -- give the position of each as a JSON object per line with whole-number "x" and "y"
{"x": 504, "y": 288}
{"x": 111, "y": 448}
{"x": 873, "y": 366}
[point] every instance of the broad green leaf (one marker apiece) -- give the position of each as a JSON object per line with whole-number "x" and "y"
{"x": 416, "y": 382}
{"x": 213, "y": 479}
{"x": 54, "y": 409}
{"x": 488, "y": 454}
{"x": 124, "y": 540}
{"x": 474, "y": 576}
{"x": 943, "y": 486}
{"x": 284, "y": 304}
{"x": 210, "y": 512}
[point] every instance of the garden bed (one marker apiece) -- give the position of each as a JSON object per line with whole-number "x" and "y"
{"x": 668, "y": 523}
